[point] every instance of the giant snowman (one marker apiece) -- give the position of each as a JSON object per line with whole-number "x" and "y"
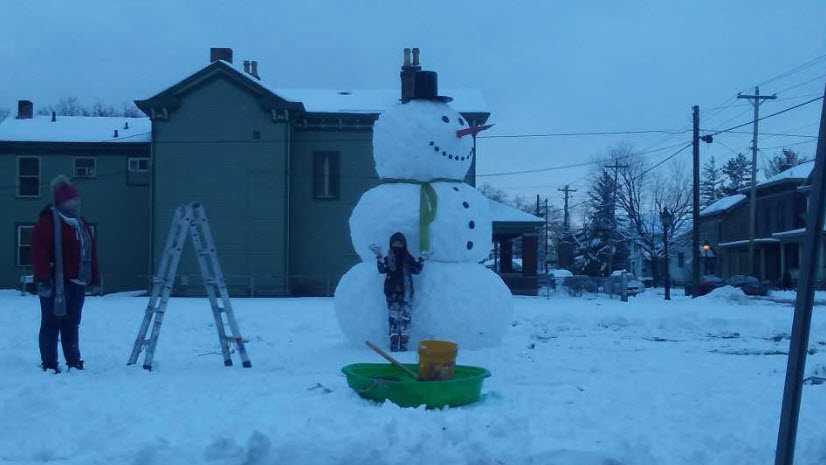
{"x": 422, "y": 150}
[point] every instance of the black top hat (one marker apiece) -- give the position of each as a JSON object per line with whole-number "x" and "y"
{"x": 426, "y": 87}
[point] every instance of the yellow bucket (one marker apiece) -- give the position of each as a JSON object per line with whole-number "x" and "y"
{"x": 437, "y": 360}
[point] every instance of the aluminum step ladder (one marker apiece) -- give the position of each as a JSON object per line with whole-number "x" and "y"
{"x": 190, "y": 220}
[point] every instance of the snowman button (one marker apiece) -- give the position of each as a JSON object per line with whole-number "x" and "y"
{"x": 465, "y": 204}
{"x": 469, "y": 245}
{"x": 456, "y": 189}
{"x": 471, "y": 224}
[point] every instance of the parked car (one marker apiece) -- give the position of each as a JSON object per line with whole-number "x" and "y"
{"x": 707, "y": 284}
{"x": 633, "y": 286}
{"x": 748, "y": 284}
{"x": 555, "y": 278}
{"x": 576, "y": 284}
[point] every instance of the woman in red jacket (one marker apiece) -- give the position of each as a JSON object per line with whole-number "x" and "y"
{"x": 64, "y": 259}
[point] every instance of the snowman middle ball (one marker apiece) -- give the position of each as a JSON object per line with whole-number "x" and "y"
{"x": 461, "y": 231}
{"x": 417, "y": 141}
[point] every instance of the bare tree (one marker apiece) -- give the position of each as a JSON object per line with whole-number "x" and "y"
{"x": 642, "y": 194}
{"x": 66, "y": 106}
{"x": 72, "y": 106}
{"x": 493, "y": 193}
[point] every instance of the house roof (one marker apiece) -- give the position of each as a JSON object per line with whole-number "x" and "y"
{"x": 723, "y": 204}
{"x": 368, "y": 101}
{"x": 503, "y": 213}
{"x": 799, "y": 173}
{"x": 76, "y": 129}
{"x": 372, "y": 100}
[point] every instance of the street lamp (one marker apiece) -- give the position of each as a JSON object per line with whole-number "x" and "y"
{"x": 706, "y": 256}
{"x": 667, "y": 219}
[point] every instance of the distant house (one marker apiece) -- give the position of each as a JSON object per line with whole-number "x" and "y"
{"x": 779, "y": 227}
{"x": 641, "y": 265}
{"x": 279, "y": 171}
{"x": 109, "y": 158}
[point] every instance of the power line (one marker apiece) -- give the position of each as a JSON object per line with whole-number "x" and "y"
{"x": 796, "y": 69}
{"x": 572, "y": 165}
{"x": 793, "y": 107}
{"x": 584, "y": 133}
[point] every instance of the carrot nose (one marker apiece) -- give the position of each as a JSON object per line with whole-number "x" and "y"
{"x": 473, "y": 130}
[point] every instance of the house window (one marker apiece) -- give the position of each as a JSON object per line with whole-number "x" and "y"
{"x": 137, "y": 172}
{"x": 24, "y": 244}
{"x": 138, "y": 165}
{"x": 85, "y": 167}
{"x": 28, "y": 176}
{"x": 326, "y": 175}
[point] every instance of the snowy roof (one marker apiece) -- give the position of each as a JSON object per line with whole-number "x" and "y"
{"x": 507, "y": 214}
{"x": 371, "y": 100}
{"x": 800, "y": 172}
{"x": 723, "y": 204}
{"x": 349, "y": 100}
{"x": 76, "y": 129}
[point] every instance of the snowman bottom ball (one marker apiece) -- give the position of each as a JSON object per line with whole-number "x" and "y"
{"x": 461, "y": 302}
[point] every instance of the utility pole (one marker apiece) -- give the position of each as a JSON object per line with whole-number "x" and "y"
{"x": 566, "y": 222}
{"x": 547, "y": 233}
{"x": 543, "y": 215}
{"x": 801, "y": 324}
{"x": 616, "y": 167}
{"x": 756, "y": 100}
{"x": 695, "y": 210}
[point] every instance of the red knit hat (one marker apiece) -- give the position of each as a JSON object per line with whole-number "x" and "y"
{"x": 63, "y": 190}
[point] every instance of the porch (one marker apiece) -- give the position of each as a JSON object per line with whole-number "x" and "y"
{"x": 515, "y": 248}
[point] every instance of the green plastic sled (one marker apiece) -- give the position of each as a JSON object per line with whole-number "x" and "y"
{"x": 380, "y": 382}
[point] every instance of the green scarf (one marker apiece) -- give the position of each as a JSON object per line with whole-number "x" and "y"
{"x": 428, "y": 204}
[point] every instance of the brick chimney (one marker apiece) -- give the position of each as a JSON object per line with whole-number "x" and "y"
{"x": 254, "y": 69}
{"x": 408, "y": 73}
{"x": 25, "y": 109}
{"x": 224, "y": 54}
{"x": 247, "y": 66}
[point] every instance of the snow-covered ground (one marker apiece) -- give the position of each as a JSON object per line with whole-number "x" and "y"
{"x": 578, "y": 381}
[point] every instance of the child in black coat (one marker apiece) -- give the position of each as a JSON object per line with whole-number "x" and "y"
{"x": 398, "y": 267}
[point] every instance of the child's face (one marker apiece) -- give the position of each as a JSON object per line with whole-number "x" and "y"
{"x": 397, "y": 245}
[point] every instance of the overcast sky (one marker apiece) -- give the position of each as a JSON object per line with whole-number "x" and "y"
{"x": 551, "y": 66}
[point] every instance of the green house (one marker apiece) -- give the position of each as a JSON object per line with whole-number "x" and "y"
{"x": 278, "y": 170}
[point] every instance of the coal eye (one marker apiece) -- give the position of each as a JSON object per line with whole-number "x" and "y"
{"x": 445, "y": 119}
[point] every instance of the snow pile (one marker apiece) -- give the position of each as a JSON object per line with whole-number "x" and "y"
{"x": 576, "y": 382}
{"x": 729, "y": 294}
{"x": 417, "y": 140}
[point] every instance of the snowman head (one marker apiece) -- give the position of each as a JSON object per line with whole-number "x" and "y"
{"x": 423, "y": 138}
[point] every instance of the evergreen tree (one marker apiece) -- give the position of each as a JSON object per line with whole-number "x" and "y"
{"x": 711, "y": 185}
{"x": 736, "y": 174}
{"x": 600, "y": 241}
{"x": 782, "y": 161}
